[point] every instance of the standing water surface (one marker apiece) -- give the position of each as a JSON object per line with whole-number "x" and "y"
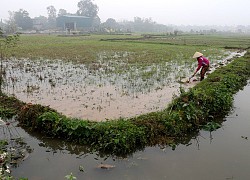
{"x": 107, "y": 89}
{"x": 222, "y": 154}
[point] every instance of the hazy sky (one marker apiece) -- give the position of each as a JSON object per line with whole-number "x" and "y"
{"x": 186, "y": 12}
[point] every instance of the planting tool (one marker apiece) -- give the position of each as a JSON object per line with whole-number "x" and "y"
{"x": 190, "y": 78}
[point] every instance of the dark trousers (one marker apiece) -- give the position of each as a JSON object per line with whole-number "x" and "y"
{"x": 203, "y": 71}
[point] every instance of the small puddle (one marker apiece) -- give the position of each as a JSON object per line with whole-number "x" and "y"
{"x": 107, "y": 89}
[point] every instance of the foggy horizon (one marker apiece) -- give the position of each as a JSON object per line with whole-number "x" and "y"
{"x": 178, "y": 12}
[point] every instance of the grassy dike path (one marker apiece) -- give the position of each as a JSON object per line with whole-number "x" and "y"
{"x": 207, "y": 101}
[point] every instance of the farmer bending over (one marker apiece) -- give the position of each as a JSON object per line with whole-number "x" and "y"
{"x": 202, "y": 62}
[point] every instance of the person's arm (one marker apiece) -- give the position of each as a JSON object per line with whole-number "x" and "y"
{"x": 199, "y": 67}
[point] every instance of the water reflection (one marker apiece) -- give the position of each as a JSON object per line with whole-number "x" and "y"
{"x": 222, "y": 154}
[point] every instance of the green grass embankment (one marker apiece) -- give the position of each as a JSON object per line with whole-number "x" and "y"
{"x": 210, "y": 99}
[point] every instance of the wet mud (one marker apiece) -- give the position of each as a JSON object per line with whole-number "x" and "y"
{"x": 106, "y": 89}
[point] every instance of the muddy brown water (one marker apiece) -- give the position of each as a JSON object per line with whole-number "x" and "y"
{"x": 100, "y": 91}
{"x": 222, "y": 154}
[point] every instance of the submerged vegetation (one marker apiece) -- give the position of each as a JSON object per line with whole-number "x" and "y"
{"x": 13, "y": 148}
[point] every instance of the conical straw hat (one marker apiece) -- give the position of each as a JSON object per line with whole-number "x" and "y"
{"x": 197, "y": 54}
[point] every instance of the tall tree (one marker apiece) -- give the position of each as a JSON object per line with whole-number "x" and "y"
{"x": 111, "y": 24}
{"x": 51, "y": 10}
{"x": 96, "y": 22}
{"x": 22, "y": 19}
{"x": 87, "y": 8}
{"x": 11, "y": 26}
{"x": 62, "y": 12}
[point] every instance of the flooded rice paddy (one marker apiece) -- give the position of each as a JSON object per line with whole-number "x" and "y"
{"x": 109, "y": 88}
{"x": 222, "y": 154}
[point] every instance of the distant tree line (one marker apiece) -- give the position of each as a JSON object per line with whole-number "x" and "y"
{"x": 144, "y": 25}
{"x": 21, "y": 21}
